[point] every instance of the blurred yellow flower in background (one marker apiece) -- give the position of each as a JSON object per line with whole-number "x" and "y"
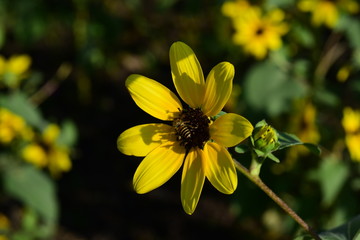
{"x": 4, "y": 226}
{"x": 303, "y": 123}
{"x": 344, "y": 73}
{"x": 351, "y": 125}
{"x": 13, "y": 126}
{"x": 256, "y": 32}
{"x": 13, "y": 70}
{"x": 48, "y": 152}
{"x": 235, "y": 9}
{"x": 326, "y": 12}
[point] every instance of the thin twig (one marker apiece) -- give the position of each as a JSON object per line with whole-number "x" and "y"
{"x": 278, "y": 200}
{"x": 52, "y": 85}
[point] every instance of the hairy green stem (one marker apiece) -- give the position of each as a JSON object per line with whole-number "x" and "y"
{"x": 256, "y": 179}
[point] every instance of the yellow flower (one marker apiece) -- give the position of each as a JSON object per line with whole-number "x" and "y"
{"x": 35, "y": 154}
{"x": 258, "y": 33}
{"x": 351, "y": 125}
{"x": 4, "y": 226}
{"x": 343, "y": 73}
{"x": 235, "y": 9}
{"x": 193, "y": 139}
{"x": 48, "y": 153}
{"x": 13, "y": 126}
{"x": 327, "y": 12}
{"x": 13, "y": 70}
{"x": 59, "y": 160}
{"x": 351, "y": 120}
{"x": 51, "y": 133}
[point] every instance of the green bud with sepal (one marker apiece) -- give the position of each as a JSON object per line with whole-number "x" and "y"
{"x": 265, "y": 138}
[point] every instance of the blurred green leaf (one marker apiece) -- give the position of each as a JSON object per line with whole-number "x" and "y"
{"x": 268, "y": 88}
{"x": 303, "y": 35}
{"x": 331, "y": 175}
{"x": 351, "y": 27}
{"x": 326, "y": 97}
{"x": 68, "y": 135}
{"x": 32, "y": 227}
{"x": 348, "y": 231}
{"x": 32, "y": 187}
{"x": 19, "y": 104}
{"x": 278, "y": 3}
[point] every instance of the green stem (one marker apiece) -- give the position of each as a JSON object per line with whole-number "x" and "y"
{"x": 256, "y": 179}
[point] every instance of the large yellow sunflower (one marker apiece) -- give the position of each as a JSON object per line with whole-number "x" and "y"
{"x": 193, "y": 138}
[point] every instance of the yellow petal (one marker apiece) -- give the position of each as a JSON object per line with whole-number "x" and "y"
{"x": 142, "y": 139}
{"x": 153, "y": 97}
{"x": 2, "y": 65}
{"x": 158, "y": 167}
{"x": 192, "y": 181}
{"x": 187, "y": 74}
{"x": 18, "y": 64}
{"x": 218, "y": 88}
{"x": 220, "y": 168}
{"x": 230, "y": 129}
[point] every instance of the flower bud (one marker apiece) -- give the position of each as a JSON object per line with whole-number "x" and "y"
{"x": 265, "y": 138}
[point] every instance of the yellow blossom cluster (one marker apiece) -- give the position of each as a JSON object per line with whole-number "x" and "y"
{"x": 41, "y": 150}
{"x": 257, "y": 32}
{"x": 46, "y": 152}
{"x": 326, "y": 12}
{"x": 13, "y": 70}
{"x": 12, "y": 127}
{"x": 351, "y": 125}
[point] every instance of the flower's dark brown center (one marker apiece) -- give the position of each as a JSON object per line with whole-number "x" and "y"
{"x": 192, "y": 128}
{"x": 259, "y": 31}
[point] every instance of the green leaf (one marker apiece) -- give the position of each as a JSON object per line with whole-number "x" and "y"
{"x": 351, "y": 27}
{"x": 68, "y": 135}
{"x": 270, "y": 4}
{"x": 332, "y": 236}
{"x": 273, "y": 157}
{"x": 303, "y": 35}
{"x": 271, "y": 89}
{"x": 242, "y": 148}
{"x": 348, "y": 231}
{"x": 32, "y": 187}
{"x": 19, "y": 104}
{"x": 288, "y": 140}
{"x": 331, "y": 175}
{"x": 326, "y": 97}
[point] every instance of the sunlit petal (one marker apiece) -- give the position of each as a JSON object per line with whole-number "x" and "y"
{"x": 153, "y": 97}
{"x": 142, "y": 139}
{"x": 158, "y": 167}
{"x": 230, "y": 129}
{"x": 220, "y": 168}
{"x": 187, "y": 74}
{"x": 192, "y": 180}
{"x": 218, "y": 88}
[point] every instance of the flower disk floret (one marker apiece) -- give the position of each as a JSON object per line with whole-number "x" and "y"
{"x": 193, "y": 140}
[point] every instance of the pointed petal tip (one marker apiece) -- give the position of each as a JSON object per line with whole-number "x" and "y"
{"x": 153, "y": 97}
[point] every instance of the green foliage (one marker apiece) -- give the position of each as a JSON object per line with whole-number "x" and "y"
{"x": 105, "y": 41}
{"x": 331, "y": 175}
{"x": 269, "y": 88}
{"x": 18, "y": 103}
{"x": 34, "y": 188}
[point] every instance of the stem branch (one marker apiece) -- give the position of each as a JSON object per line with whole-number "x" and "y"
{"x": 278, "y": 200}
